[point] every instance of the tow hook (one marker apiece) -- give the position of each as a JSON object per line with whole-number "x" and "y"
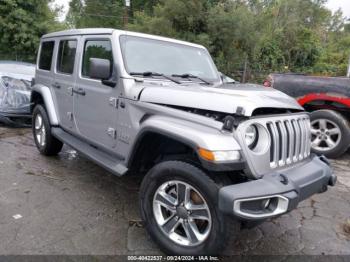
{"x": 324, "y": 160}
{"x": 332, "y": 180}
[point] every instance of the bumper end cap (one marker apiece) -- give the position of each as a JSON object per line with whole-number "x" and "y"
{"x": 332, "y": 180}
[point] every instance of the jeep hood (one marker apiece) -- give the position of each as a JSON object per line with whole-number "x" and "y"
{"x": 224, "y": 98}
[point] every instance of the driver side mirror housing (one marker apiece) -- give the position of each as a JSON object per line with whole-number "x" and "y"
{"x": 227, "y": 80}
{"x": 100, "y": 68}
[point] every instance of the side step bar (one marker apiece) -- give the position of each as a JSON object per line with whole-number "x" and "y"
{"x": 112, "y": 164}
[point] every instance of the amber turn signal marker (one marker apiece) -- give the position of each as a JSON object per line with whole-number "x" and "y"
{"x": 206, "y": 154}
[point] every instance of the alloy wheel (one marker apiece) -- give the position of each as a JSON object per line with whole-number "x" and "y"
{"x": 40, "y": 131}
{"x": 325, "y": 135}
{"x": 182, "y": 213}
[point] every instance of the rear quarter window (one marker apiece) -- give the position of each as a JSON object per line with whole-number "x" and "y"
{"x": 46, "y": 53}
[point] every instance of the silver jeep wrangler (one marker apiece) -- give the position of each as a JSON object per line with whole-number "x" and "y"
{"x": 215, "y": 156}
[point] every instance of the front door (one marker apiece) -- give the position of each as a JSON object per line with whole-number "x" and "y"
{"x": 95, "y": 104}
{"x": 65, "y": 72}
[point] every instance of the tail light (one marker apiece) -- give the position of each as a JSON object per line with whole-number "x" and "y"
{"x": 268, "y": 82}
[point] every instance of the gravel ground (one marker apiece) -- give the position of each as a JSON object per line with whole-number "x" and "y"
{"x": 68, "y": 205}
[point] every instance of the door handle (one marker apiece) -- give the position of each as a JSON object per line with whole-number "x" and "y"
{"x": 79, "y": 91}
{"x": 56, "y": 85}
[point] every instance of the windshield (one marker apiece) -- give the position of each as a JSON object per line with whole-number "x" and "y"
{"x": 149, "y": 55}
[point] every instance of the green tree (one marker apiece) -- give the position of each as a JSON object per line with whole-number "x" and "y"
{"x": 95, "y": 13}
{"x": 175, "y": 18}
{"x": 75, "y": 13}
{"x": 232, "y": 33}
{"x": 143, "y": 5}
{"x": 295, "y": 30}
{"x": 22, "y": 23}
{"x": 271, "y": 35}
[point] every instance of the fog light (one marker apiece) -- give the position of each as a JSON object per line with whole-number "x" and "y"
{"x": 265, "y": 203}
{"x": 261, "y": 207}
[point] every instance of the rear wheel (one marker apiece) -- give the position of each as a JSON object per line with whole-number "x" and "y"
{"x": 330, "y": 133}
{"x": 178, "y": 205}
{"x": 46, "y": 143}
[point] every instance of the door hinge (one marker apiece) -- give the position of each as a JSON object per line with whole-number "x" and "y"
{"x": 112, "y": 132}
{"x": 70, "y": 116}
{"x": 70, "y": 90}
{"x": 113, "y": 101}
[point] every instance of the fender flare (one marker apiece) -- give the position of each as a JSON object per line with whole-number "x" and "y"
{"x": 46, "y": 95}
{"x": 191, "y": 134}
{"x": 341, "y": 99}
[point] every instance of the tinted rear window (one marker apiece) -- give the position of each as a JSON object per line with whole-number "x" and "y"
{"x": 46, "y": 55}
{"x": 66, "y": 56}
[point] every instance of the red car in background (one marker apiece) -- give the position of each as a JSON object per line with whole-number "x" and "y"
{"x": 328, "y": 101}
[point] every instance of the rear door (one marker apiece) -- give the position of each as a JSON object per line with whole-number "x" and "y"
{"x": 65, "y": 77}
{"x": 44, "y": 73}
{"x": 94, "y": 103}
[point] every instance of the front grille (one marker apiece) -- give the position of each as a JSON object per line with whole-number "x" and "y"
{"x": 290, "y": 140}
{"x": 284, "y": 140}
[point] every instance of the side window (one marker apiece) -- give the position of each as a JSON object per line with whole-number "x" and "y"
{"x": 95, "y": 49}
{"x": 46, "y": 52}
{"x": 66, "y": 56}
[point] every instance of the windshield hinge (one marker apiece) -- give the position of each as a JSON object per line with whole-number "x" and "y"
{"x": 112, "y": 132}
{"x": 113, "y": 101}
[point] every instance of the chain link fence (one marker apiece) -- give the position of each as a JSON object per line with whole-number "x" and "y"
{"x": 250, "y": 76}
{"x": 245, "y": 73}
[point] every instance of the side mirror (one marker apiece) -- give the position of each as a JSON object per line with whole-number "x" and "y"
{"x": 221, "y": 76}
{"x": 100, "y": 68}
{"x": 227, "y": 80}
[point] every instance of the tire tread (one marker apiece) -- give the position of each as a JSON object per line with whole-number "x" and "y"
{"x": 227, "y": 228}
{"x": 53, "y": 146}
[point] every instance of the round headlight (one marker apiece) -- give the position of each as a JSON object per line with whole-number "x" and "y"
{"x": 251, "y": 136}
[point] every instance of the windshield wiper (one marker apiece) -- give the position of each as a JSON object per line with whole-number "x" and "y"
{"x": 147, "y": 73}
{"x": 192, "y": 76}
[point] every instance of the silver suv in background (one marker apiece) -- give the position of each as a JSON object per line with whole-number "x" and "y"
{"x": 213, "y": 156}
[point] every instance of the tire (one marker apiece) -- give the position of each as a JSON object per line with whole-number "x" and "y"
{"x": 173, "y": 175}
{"x": 46, "y": 143}
{"x": 332, "y": 138}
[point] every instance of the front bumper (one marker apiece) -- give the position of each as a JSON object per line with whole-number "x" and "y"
{"x": 276, "y": 193}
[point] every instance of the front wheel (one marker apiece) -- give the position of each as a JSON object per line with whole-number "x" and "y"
{"x": 178, "y": 205}
{"x": 46, "y": 143}
{"x": 330, "y": 133}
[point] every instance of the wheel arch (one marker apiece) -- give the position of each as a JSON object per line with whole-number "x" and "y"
{"x": 335, "y": 102}
{"x": 42, "y": 95}
{"x": 341, "y": 122}
{"x": 182, "y": 136}
{"x": 35, "y": 99}
{"x": 154, "y": 139}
